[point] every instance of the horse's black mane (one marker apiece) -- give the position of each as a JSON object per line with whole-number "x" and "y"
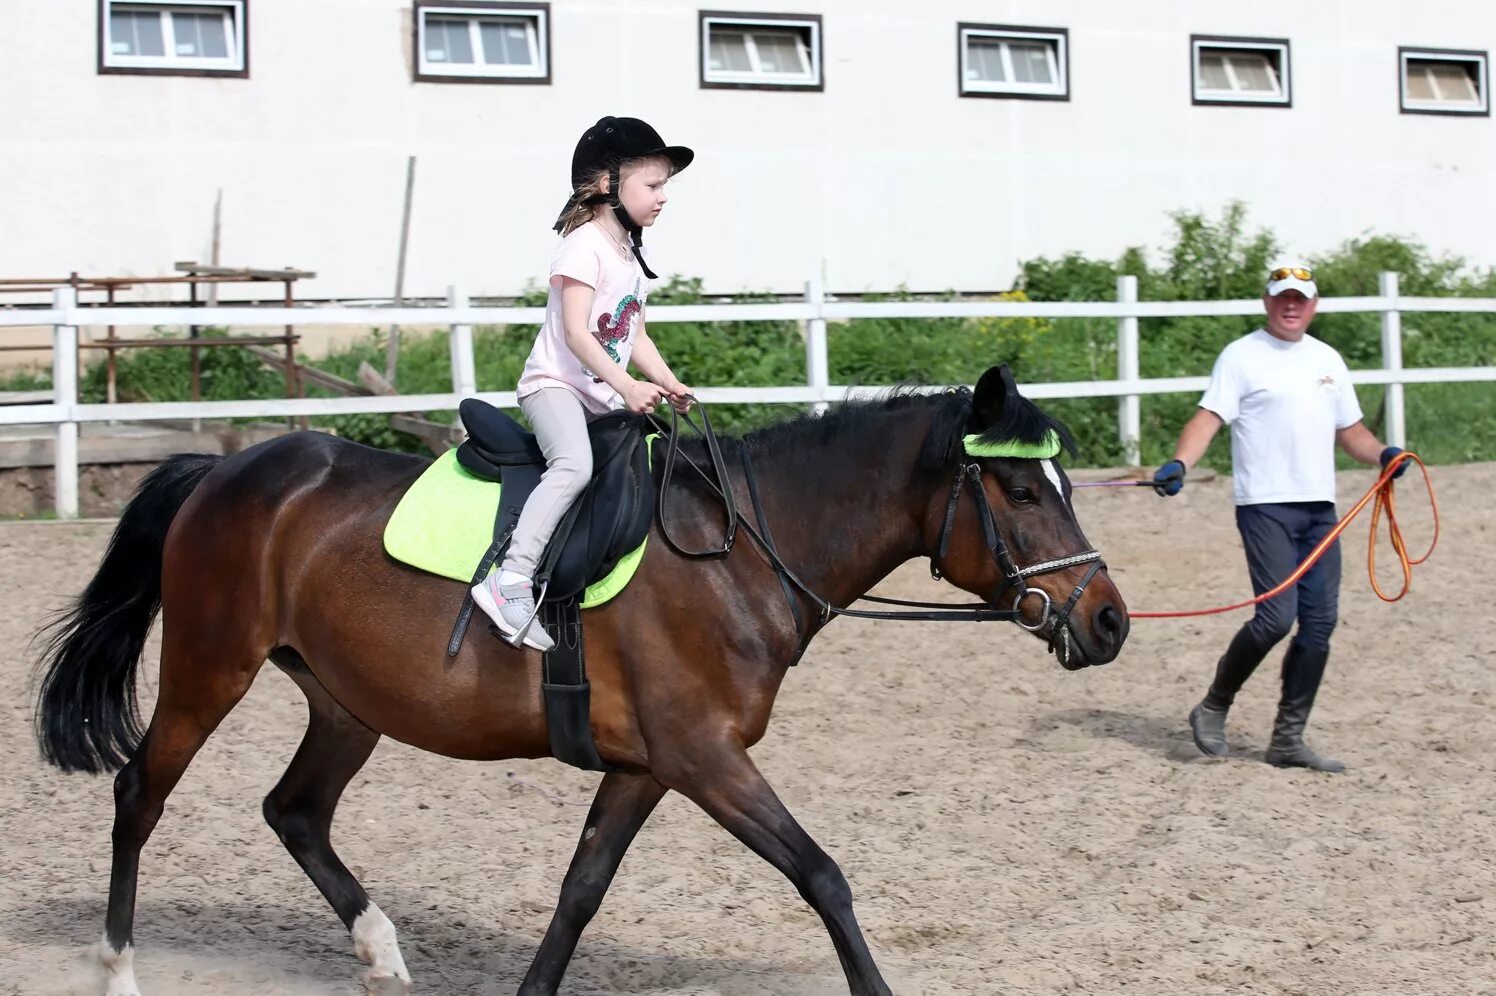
{"x": 1021, "y": 421}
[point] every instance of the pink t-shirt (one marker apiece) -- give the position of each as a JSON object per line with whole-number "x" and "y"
{"x": 619, "y": 289}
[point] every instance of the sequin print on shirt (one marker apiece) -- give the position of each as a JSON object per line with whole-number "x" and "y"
{"x": 615, "y": 328}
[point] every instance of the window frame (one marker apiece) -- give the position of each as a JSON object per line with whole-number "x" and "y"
{"x": 1237, "y": 99}
{"x": 110, "y": 64}
{"x": 1483, "y": 80}
{"x": 475, "y": 11}
{"x": 710, "y": 79}
{"x": 1058, "y": 37}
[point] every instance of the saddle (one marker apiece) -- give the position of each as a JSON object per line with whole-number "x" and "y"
{"x": 611, "y": 517}
{"x": 609, "y": 521}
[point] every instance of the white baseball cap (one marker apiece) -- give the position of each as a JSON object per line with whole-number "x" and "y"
{"x": 1291, "y": 276}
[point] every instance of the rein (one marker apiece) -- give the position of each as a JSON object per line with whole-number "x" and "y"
{"x": 967, "y": 474}
{"x": 1380, "y": 497}
{"x": 722, "y": 486}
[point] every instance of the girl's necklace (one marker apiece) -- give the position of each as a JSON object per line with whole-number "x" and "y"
{"x": 623, "y": 251}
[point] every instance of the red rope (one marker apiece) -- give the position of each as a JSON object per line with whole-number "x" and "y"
{"x": 1381, "y": 498}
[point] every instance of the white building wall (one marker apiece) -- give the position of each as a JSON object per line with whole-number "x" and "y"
{"x": 885, "y": 178}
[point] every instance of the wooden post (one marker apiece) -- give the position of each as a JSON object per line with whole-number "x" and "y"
{"x": 195, "y": 332}
{"x": 111, "y": 364}
{"x": 217, "y": 242}
{"x": 294, "y": 387}
{"x": 392, "y": 348}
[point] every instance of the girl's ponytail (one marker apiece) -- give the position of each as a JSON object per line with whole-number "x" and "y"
{"x": 585, "y": 201}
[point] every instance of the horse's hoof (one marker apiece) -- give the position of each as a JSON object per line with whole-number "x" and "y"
{"x": 386, "y": 985}
{"x": 375, "y": 945}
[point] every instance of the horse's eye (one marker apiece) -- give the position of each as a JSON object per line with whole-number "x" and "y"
{"x": 1022, "y": 496}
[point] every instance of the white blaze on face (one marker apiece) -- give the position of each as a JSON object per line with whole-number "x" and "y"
{"x": 374, "y": 942}
{"x": 1051, "y": 472}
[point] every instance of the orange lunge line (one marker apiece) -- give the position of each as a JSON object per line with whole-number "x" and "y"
{"x": 1382, "y": 494}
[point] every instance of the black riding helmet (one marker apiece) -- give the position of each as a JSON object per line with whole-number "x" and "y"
{"x": 607, "y": 145}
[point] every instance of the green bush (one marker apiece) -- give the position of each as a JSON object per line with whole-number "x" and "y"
{"x": 165, "y": 374}
{"x": 27, "y": 380}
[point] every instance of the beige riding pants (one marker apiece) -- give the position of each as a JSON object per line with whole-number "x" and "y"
{"x": 560, "y": 422}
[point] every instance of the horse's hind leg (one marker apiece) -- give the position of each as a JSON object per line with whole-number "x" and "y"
{"x": 725, "y": 783}
{"x": 195, "y": 697}
{"x": 300, "y": 809}
{"x": 622, "y": 804}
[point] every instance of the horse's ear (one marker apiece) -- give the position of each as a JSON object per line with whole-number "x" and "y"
{"x": 993, "y": 392}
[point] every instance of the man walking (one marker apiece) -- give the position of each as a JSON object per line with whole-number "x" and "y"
{"x": 1289, "y": 401}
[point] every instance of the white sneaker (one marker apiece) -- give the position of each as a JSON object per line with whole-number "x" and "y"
{"x": 512, "y": 608}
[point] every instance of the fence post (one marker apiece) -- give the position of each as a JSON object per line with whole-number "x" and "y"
{"x": 817, "y": 366}
{"x": 1129, "y": 406}
{"x": 65, "y": 394}
{"x": 1396, "y": 428}
{"x": 464, "y": 365}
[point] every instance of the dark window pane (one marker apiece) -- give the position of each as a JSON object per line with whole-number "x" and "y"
{"x": 447, "y": 40}
{"x": 729, "y": 51}
{"x": 984, "y": 60}
{"x": 1030, "y": 62}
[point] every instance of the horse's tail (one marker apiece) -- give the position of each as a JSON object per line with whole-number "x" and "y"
{"x": 87, "y": 716}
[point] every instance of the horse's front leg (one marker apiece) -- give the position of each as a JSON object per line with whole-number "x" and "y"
{"x": 622, "y": 804}
{"x": 723, "y": 780}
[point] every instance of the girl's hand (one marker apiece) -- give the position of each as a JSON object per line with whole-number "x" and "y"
{"x": 641, "y": 397}
{"x": 679, "y": 395}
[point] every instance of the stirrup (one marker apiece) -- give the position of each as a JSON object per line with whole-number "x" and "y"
{"x": 518, "y": 638}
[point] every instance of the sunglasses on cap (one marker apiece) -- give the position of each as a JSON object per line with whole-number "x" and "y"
{"x": 1284, "y": 272}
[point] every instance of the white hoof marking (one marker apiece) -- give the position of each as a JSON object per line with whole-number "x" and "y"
{"x": 374, "y": 942}
{"x": 120, "y": 966}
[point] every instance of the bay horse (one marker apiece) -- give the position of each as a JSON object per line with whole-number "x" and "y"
{"x": 275, "y": 553}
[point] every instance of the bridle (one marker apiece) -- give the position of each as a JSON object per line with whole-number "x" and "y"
{"x": 1014, "y": 578}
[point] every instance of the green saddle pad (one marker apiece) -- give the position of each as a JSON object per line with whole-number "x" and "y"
{"x": 444, "y": 524}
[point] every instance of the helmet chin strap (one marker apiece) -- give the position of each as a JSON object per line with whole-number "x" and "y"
{"x": 633, "y": 228}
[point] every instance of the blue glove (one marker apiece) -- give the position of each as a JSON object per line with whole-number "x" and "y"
{"x": 1169, "y": 479}
{"x": 1387, "y": 456}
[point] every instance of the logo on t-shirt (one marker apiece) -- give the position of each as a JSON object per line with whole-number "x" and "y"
{"x": 1327, "y": 385}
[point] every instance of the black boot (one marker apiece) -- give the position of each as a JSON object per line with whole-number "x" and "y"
{"x": 1302, "y": 671}
{"x": 1208, "y": 719}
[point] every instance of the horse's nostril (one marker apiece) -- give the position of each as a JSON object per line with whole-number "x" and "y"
{"x": 1109, "y": 621}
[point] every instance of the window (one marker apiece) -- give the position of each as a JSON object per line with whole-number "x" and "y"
{"x": 1440, "y": 81}
{"x": 473, "y": 42}
{"x": 998, "y": 61}
{"x": 183, "y": 38}
{"x": 761, "y": 51}
{"x": 1243, "y": 72}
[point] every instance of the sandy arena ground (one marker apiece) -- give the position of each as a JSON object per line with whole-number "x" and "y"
{"x": 1006, "y": 827}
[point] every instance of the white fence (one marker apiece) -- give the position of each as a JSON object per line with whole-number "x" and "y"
{"x": 65, "y": 412}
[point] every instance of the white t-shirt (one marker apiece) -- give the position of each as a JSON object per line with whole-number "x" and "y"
{"x": 619, "y": 290}
{"x": 1284, "y": 402}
